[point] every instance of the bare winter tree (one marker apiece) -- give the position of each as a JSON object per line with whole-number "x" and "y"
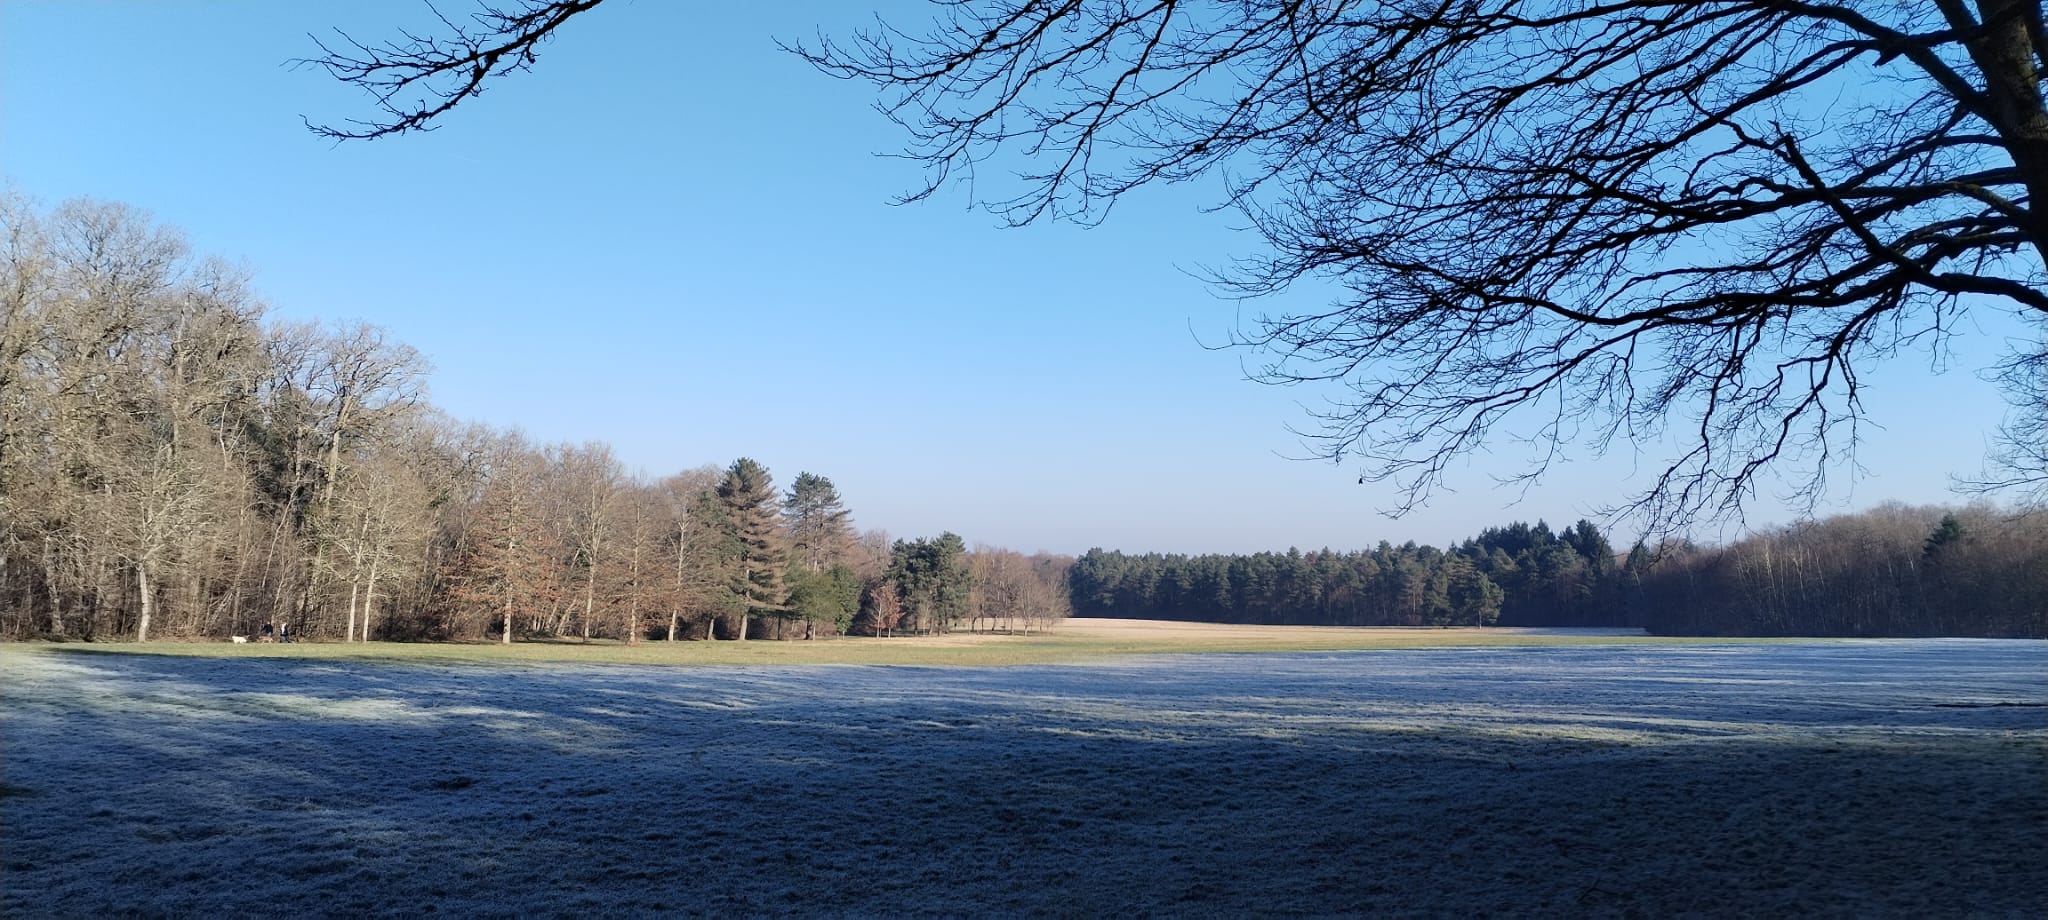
{"x": 2019, "y": 459}
{"x": 1576, "y": 223}
{"x": 690, "y": 520}
{"x": 597, "y": 484}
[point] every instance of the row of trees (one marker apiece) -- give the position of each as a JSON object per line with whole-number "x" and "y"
{"x": 173, "y": 464}
{"x": 1515, "y": 575}
{"x": 1892, "y": 571}
{"x": 560, "y": 540}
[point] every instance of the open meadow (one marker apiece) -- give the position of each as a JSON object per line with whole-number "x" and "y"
{"x": 1074, "y": 640}
{"x": 1555, "y": 775}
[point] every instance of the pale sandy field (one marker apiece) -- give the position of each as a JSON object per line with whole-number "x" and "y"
{"x": 1874, "y": 778}
{"x": 1113, "y": 630}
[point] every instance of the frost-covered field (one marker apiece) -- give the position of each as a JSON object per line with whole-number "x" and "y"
{"x": 1853, "y": 778}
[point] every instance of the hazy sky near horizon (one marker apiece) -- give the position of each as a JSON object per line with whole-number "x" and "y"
{"x": 674, "y": 238}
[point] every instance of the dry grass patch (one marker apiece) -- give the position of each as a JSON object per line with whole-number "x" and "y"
{"x": 1074, "y": 640}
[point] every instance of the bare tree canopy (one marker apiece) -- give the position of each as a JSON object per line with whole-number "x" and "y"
{"x": 1581, "y": 223}
{"x": 2019, "y": 459}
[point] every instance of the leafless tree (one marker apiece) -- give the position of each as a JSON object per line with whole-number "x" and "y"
{"x": 1014, "y": 592}
{"x": 641, "y": 581}
{"x": 513, "y": 564}
{"x": 384, "y": 500}
{"x": 1573, "y": 223}
{"x": 2018, "y": 464}
{"x": 596, "y": 482}
{"x": 688, "y": 500}
{"x": 1894, "y": 570}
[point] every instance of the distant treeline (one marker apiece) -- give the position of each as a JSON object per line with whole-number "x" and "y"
{"x": 1891, "y": 571}
{"x": 1520, "y": 575}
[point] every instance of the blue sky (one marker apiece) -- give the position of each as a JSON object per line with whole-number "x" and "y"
{"x": 676, "y": 239}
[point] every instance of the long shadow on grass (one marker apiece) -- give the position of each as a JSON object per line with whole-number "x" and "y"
{"x": 1902, "y": 778}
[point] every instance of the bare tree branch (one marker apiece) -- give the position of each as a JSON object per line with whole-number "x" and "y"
{"x": 418, "y": 78}
{"x": 1589, "y": 223}
{"x": 1574, "y": 222}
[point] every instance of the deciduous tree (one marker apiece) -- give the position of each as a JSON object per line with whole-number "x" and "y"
{"x": 595, "y": 480}
{"x": 1565, "y": 222}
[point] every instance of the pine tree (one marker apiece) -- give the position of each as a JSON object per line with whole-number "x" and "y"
{"x": 933, "y": 578}
{"x": 1948, "y": 534}
{"x": 829, "y": 597}
{"x": 747, "y": 497}
{"x": 820, "y": 527}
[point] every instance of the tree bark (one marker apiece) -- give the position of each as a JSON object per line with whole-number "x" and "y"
{"x": 2004, "y": 50}
{"x": 370, "y": 598}
{"x": 589, "y": 599}
{"x": 354, "y": 585}
{"x": 142, "y": 587}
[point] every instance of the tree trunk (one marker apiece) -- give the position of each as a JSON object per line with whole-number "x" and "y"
{"x": 354, "y": 586}
{"x": 589, "y": 601}
{"x": 142, "y": 587}
{"x": 673, "y": 617}
{"x": 507, "y": 639}
{"x": 50, "y": 583}
{"x": 370, "y": 598}
{"x": 743, "y": 627}
{"x": 2004, "y": 51}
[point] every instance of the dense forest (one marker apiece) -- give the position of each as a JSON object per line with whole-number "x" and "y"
{"x": 171, "y": 464}
{"x": 1891, "y": 571}
{"x": 1518, "y": 575}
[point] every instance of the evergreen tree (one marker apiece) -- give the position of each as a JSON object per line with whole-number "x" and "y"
{"x": 933, "y": 577}
{"x": 1474, "y": 598}
{"x": 820, "y": 527}
{"x": 829, "y": 597}
{"x": 747, "y": 497}
{"x": 1948, "y": 533}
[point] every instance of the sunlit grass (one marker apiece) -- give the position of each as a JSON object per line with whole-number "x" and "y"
{"x": 1071, "y": 644}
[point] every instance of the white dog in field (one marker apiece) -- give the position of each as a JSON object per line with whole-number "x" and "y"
{"x": 239, "y": 640}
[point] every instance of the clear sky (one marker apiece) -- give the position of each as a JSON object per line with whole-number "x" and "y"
{"x": 676, "y": 239}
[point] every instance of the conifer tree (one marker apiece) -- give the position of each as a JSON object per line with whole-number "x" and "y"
{"x": 747, "y": 497}
{"x": 933, "y": 578}
{"x": 820, "y": 527}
